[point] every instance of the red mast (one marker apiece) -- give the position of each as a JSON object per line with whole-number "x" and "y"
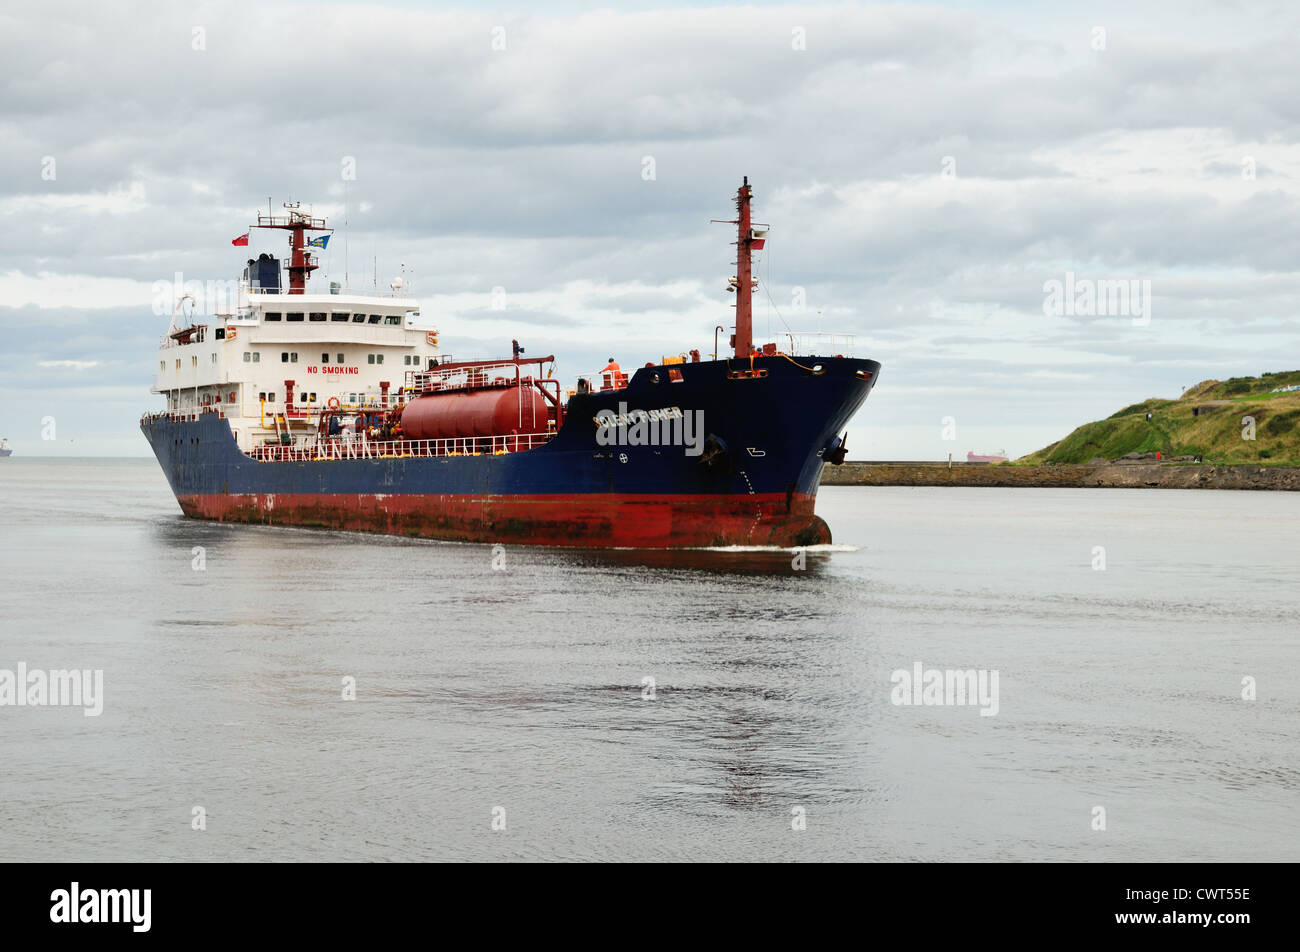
{"x": 744, "y": 284}
{"x": 301, "y": 262}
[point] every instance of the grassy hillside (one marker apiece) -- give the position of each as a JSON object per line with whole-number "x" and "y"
{"x": 1215, "y": 435}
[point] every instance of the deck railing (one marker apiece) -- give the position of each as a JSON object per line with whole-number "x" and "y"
{"x": 819, "y": 344}
{"x": 442, "y": 378}
{"x": 331, "y": 449}
{"x": 337, "y": 448}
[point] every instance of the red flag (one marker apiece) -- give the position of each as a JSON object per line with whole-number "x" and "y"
{"x": 241, "y": 240}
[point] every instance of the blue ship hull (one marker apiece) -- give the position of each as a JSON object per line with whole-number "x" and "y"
{"x": 766, "y": 437}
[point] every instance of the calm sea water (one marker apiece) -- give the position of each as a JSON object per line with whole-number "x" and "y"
{"x": 517, "y": 693}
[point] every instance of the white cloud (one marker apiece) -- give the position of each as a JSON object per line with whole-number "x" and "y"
{"x": 67, "y": 364}
{"x": 50, "y": 290}
{"x": 119, "y": 200}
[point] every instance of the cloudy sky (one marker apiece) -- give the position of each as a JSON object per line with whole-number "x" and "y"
{"x": 927, "y": 170}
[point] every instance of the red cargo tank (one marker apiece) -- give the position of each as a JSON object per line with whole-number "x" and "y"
{"x": 440, "y": 416}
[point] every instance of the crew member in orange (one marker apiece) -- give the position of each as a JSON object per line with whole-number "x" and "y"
{"x": 610, "y": 373}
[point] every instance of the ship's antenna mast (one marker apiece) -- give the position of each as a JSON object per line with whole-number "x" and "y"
{"x": 743, "y": 283}
{"x": 301, "y": 261}
{"x": 744, "y": 280}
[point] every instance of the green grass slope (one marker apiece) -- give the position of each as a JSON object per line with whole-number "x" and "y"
{"x": 1217, "y": 436}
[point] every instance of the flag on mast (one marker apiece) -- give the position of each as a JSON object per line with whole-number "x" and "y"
{"x": 241, "y": 240}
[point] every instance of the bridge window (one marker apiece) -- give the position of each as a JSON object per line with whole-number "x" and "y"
{"x": 358, "y": 318}
{"x": 318, "y": 315}
{"x": 324, "y": 358}
{"x": 393, "y": 319}
{"x": 374, "y": 318}
{"x": 337, "y": 316}
{"x": 293, "y": 316}
{"x": 271, "y": 316}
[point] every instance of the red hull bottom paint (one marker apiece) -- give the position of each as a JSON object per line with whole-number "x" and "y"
{"x": 590, "y": 521}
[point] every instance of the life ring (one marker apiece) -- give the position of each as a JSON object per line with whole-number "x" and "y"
{"x": 334, "y": 403}
{"x": 432, "y": 338}
{"x": 230, "y": 333}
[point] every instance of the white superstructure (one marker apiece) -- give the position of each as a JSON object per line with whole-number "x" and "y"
{"x": 273, "y": 364}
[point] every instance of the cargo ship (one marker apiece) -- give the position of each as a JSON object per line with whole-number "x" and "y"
{"x": 340, "y": 410}
{"x": 5, "y": 449}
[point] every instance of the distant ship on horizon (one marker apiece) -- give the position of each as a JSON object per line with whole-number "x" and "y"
{"x": 999, "y": 457}
{"x": 5, "y": 449}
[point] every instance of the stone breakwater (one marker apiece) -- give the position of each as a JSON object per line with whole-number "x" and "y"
{"x": 1087, "y": 475}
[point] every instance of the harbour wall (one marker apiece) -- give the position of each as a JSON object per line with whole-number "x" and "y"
{"x": 1088, "y": 475}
